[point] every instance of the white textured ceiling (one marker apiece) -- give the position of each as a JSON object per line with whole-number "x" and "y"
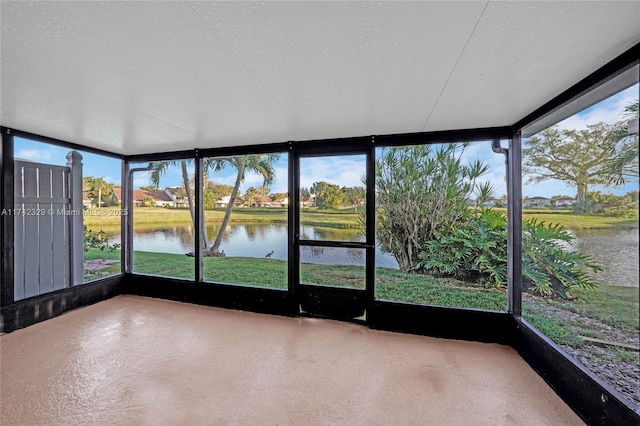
{"x": 142, "y": 77}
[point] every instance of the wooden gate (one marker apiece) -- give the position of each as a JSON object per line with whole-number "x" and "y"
{"x": 46, "y": 222}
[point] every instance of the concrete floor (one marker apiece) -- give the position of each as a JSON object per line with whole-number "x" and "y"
{"x": 140, "y": 361}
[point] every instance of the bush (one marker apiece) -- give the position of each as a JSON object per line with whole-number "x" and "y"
{"x": 549, "y": 268}
{"x": 608, "y": 204}
{"x": 422, "y": 191}
{"x": 98, "y": 240}
{"x": 476, "y": 251}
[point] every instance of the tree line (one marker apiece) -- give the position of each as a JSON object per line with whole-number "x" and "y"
{"x": 325, "y": 195}
{"x": 99, "y": 191}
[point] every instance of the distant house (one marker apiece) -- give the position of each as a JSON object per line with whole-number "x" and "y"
{"x": 564, "y": 201}
{"x": 174, "y": 194}
{"x": 262, "y": 201}
{"x": 141, "y": 197}
{"x": 311, "y": 202}
{"x": 536, "y": 203}
{"x": 86, "y": 201}
{"x": 223, "y": 202}
{"x": 279, "y": 200}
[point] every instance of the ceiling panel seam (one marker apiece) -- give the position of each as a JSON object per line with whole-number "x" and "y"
{"x": 446, "y": 83}
{"x": 239, "y": 59}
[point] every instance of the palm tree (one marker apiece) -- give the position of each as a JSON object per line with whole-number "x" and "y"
{"x": 159, "y": 168}
{"x": 625, "y": 163}
{"x": 256, "y": 163}
{"x": 261, "y": 164}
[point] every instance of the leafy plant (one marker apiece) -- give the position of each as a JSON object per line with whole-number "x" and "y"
{"x": 98, "y": 240}
{"x": 477, "y": 251}
{"x": 549, "y": 268}
{"x": 423, "y": 191}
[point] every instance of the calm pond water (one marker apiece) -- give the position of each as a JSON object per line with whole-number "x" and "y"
{"x": 616, "y": 250}
{"x": 256, "y": 240}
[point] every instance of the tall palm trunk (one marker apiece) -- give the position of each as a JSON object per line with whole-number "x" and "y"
{"x": 187, "y": 189}
{"x": 241, "y": 164}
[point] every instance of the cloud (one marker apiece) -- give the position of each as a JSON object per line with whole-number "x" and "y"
{"x": 141, "y": 179}
{"x": 112, "y": 180}
{"x": 34, "y": 154}
{"x": 608, "y": 111}
{"x": 341, "y": 170}
{"x": 250, "y": 179}
{"x": 281, "y": 182}
{"x": 497, "y": 179}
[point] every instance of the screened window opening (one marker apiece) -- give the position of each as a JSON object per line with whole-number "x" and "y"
{"x": 66, "y": 217}
{"x": 163, "y": 217}
{"x": 245, "y": 227}
{"x": 441, "y": 225}
{"x": 580, "y": 238}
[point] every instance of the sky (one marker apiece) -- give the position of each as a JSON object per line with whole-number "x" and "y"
{"x": 343, "y": 170}
{"x": 93, "y": 165}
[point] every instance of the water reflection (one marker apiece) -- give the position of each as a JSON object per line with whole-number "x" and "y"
{"x": 616, "y": 250}
{"x": 256, "y": 240}
{"x": 320, "y": 233}
{"x": 332, "y": 255}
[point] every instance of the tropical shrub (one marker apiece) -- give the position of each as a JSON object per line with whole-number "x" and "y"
{"x": 422, "y": 192}
{"x": 476, "y": 251}
{"x": 549, "y": 266}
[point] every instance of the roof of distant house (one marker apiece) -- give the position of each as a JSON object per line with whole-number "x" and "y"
{"x": 142, "y": 194}
{"x": 172, "y": 189}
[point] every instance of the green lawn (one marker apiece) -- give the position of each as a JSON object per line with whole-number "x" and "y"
{"x": 394, "y": 285}
{"x": 568, "y": 220}
{"x": 108, "y": 218}
{"x": 613, "y": 305}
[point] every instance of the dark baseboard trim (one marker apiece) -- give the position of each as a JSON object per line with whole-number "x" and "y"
{"x": 593, "y": 400}
{"x": 24, "y": 313}
{"x": 331, "y": 302}
{"x": 245, "y": 298}
{"x": 445, "y": 322}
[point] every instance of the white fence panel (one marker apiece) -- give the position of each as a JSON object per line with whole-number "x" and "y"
{"x": 44, "y": 259}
